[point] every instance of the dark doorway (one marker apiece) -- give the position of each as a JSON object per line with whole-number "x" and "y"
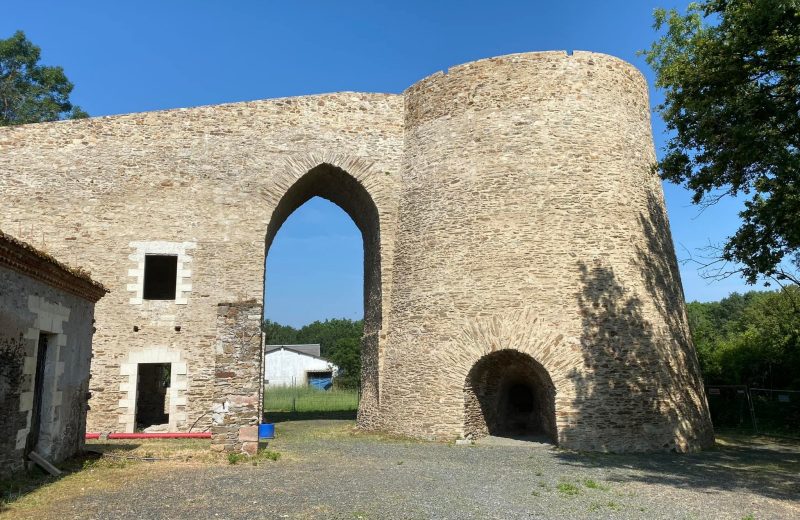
{"x": 509, "y": 394}
{"x": 39, "y": 385}
{"x": 151, "y": 394}
{"x": 160, "y": 277}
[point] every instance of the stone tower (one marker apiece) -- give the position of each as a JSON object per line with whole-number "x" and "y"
{"x": 519, "y": 276}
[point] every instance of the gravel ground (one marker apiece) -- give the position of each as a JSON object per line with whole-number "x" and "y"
{"x": 327, "y": 472}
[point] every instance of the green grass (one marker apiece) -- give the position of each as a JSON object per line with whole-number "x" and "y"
{"x": 307, "y": 399}
{"x": 591, "y": 484}
{"x": 567, "y": 489}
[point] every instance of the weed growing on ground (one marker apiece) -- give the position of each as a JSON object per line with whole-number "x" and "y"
{"x": 591, "y": 484}
{"x": 567, "y": 489}
{"x": 749, "y": 517}
{"x": 265, "y": 454}
{"x": 262, "y": 455}
{"x": 236, "y": 458}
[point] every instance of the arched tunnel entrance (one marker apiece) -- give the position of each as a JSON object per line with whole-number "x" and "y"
{"x": 509, "y": 394}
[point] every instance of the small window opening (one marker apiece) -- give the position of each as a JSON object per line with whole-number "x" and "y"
{"x": 151, "y": 394}
{"x": 160, "y": 275}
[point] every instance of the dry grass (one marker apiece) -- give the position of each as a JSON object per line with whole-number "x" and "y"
{"x": 105, "y": 466}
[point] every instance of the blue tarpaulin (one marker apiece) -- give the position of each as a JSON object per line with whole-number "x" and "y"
{"x": 321, "y": 381}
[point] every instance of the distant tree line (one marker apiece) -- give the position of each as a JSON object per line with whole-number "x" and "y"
{"x": 751, "y": 338}
{"x": 339, "y": 340}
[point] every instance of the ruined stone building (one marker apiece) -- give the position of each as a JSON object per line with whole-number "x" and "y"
{"x": 519, "y": 274}
{"x": 46, "y": 315}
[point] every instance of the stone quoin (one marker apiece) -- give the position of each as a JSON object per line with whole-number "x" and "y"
{"x": 519, "y": 273}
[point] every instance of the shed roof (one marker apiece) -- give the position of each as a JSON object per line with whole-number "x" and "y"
{"x": 29, "y": 261}
{"x": 312, "y": 349}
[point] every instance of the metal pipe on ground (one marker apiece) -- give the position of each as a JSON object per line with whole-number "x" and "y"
{"x": 159, "y": 435}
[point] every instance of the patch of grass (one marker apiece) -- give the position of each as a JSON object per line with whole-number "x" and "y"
{"x": 567, "y": 489}
{"x": 27, "y": 492}
{"x": 305, "y": 399}
{"x": 749, "y": 517}
{"x": 591, "y": 484}
{"x": 155, "y": 449}
{"x": 236, "y": 457}
{"x": 108, "y": 461}
{"x": 265, "y": 454}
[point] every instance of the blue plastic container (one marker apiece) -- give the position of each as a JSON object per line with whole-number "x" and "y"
{"x": 266, "y": 431}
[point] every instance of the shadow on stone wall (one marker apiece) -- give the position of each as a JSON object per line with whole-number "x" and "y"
{"x": 12, "y": 355}
{"x": 640, "y": 388}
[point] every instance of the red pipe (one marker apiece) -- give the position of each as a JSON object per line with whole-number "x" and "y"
{"x": 169, "y": 435}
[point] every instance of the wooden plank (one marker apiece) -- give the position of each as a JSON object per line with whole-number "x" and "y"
{"x": 38, "y": 459}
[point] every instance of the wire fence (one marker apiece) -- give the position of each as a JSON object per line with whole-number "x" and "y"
{"x": 307, "y": 399}
{"x": 755, "y": 410}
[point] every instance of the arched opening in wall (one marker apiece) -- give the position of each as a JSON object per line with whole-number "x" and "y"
{"x": 510, "y": 394}
{"x": 347, "y": 353}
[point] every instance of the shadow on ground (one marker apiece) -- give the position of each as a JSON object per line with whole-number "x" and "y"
{"x": 278, "y": 417}
{"x": 766, "y": 467}
{"x": 26, "y": 482}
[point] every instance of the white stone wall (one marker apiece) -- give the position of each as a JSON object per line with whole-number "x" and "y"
{"x": 288, "y": 368}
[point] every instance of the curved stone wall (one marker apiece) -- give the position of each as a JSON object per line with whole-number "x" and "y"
{"x": 530, "y": 219}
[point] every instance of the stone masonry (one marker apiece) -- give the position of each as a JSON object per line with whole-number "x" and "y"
{"x": 46, "y": 320}
{"x": 507, "y": 204}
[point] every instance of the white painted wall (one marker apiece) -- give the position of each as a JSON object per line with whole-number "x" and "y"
{"x": 288, "y": 368}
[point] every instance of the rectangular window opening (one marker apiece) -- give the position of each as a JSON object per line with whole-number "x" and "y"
{"x": 160, "y": 277}
{"x": 152, "y": 386}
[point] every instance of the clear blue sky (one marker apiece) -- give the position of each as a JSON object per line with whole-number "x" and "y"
{"x": 149, "y": 55}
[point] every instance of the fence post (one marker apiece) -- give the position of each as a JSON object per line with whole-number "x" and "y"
{"x": 752, "y": 410}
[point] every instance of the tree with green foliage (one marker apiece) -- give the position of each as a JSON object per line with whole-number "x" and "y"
{"x": 346, "y": 354}
{"x": 730, "y": 71}
{"x": 30, "y": 92}
{"x": 751, "y": 339}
